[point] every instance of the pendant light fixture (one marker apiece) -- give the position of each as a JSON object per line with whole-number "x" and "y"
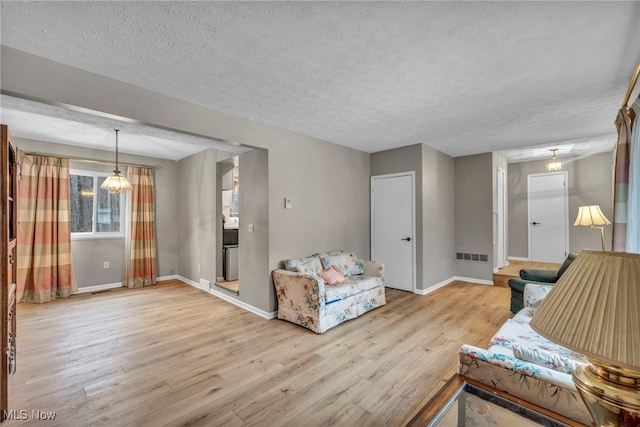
{"x": 554, "y": 164}
{"x": 116, "y": 184}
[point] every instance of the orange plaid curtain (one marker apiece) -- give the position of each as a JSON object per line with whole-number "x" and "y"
{"x": 141, "y": 254}
{"x": 44, "y": 237}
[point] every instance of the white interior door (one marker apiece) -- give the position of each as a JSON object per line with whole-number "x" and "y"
{"x": 548, "y": 217}
{"x": 501, "y": 243}
{"x": 392, "y": 228}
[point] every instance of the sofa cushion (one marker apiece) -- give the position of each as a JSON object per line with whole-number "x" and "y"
{"x": 514, "y": 332}
{"x": 308, "y": 265}
{"x": 356, "y": 285}
{"x": 347, "y": 263}
{"x": 332, "y": 276}
{"x": 364, "y": 283}
{"x": 338, "y": 292}
{"x": 545, "y": 358}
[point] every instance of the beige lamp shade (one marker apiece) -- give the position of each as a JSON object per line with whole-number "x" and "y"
{"x": 591, "y": 215}
{"x": 594, "y": 309}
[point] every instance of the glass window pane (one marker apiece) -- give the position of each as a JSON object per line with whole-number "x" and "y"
{"x": 81, "y": 200}
{"x": 108, "y": 210}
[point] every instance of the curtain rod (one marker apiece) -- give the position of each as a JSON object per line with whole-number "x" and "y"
{"x": 632, "y": 83}
{"x": 84, "y": 159}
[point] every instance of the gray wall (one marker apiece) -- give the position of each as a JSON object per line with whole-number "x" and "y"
{"x": 253, "y": 266}
{"x": 437, "y": 216}
{"x": 590, "y": 183}
{"x": 198, "y": 215}
{"x": 329, "y": 184}
{"x": 88, "y": 255}
{"x": 434, "y": 173}
{"x": 473, "y": 213}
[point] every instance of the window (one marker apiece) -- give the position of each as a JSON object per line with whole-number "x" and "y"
{"x": 95, "y": 213}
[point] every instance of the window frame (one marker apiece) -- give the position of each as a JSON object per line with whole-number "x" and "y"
{"x": 93, "y": 234}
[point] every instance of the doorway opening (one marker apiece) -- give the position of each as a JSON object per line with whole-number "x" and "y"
{"x": 229, "y": 171}
{"x": 393, "y": 228}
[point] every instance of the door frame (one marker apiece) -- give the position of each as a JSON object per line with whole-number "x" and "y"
{"x": 412, "y": 175}
{"x": 501, "y": 226}
{"x": 566, "y": 209}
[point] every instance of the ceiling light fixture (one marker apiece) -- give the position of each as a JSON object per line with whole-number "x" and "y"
{"x": 554, "y": 164}
{"x": 116, "y": 184}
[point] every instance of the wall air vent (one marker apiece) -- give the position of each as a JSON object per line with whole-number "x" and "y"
{"x": 463, "y": 256}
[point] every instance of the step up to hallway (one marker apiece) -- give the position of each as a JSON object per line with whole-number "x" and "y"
{"x": 502, "y": 276}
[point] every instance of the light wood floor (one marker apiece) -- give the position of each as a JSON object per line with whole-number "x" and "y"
{"x": 174, "y": 355}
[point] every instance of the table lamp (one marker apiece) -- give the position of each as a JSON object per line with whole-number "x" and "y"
{"x": 592, "y": 216}
{"x": 594, "y": 309}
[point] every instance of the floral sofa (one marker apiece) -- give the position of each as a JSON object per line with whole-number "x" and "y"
{"x": 306, "y": 300}
{"x": 527, "y": 365}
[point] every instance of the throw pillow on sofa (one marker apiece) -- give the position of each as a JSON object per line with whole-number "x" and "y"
{"x": 308, "y": 265}
{"x": 332, "y": 276}
{"x": 347, "y": 263}
{"x": 545, "y": 358}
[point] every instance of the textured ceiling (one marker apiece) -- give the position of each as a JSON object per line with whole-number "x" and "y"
{"x": 462, "y": 77}
{"x": 53, "y": 123}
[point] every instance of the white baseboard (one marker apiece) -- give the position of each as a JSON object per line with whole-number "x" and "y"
{"x": 244, "y": 305}
{"x": 97, "y": 288}
{"x": 517, "y": 258}
{"x": 434, "y": 287}
{"x": 451, "y": 280}
{"x": 473, "y": 280}
{"x": 172, "y": 277}
{"x": 192, "y": 283}
{"x": 232, "y": 300}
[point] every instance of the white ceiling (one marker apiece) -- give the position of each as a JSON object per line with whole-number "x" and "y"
{"x": 462, "y": 77}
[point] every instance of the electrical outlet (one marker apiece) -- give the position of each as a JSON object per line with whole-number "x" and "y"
{"x": 106, "y": 265}
{"x": 287, "y": 203}
{"x": 250, "y": 228}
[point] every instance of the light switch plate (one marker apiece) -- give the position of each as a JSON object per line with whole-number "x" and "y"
{"x": 287, "y": 202}
{"x": 250, "y": 228}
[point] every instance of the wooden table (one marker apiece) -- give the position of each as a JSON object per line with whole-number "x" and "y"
{"x": 463, "y": 401}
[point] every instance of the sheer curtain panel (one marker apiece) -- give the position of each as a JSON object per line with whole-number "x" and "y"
{"x": 633, "y": 217}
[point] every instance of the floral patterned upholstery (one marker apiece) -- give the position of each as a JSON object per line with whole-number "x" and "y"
{"x": 545, "y": 383}
{"x": 304, "y": 298}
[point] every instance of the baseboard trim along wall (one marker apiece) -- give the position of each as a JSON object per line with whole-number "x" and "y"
{"x": 451, "y": 280}
{"x": 518, "y": 258}
{"x": 232, "y": 300}
{"x": 248, "y": 307}
{"x": 434, "y": 287}
{"x": 97, "y": 288}
{"x": 472, "y": 280}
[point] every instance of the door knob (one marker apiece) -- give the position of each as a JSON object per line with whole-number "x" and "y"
{"x": 408, "y": 239}
{"x": 535, "y": 223}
